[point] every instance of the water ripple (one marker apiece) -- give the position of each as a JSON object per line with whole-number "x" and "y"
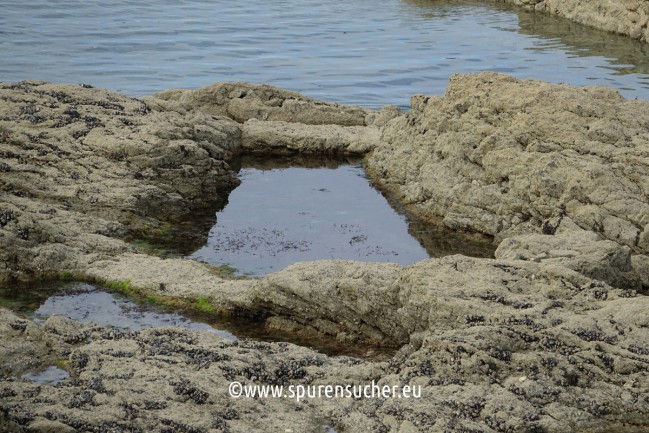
{"x": 342, "y": 50}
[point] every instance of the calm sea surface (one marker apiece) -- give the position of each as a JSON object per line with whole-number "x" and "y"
{"x": 364, "y": 52}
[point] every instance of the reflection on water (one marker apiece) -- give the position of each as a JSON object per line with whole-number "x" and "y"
{"x": 341, "y": 50}
{"x": 87, "y": 304}
{"x": 623, "y": 54}
{"x": 284, "y": 213}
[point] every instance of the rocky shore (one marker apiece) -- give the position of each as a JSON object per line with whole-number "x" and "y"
{"x": 550, "y": 336}
{"x": 626, "y": 17}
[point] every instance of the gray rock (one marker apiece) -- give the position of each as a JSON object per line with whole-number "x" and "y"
{"x": 283, "y": 137}
{"x": 549, "y": 336}
{"x": 579, "y": 250}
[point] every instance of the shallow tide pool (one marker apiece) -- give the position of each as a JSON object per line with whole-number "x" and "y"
{"x": 94, "y": 304}
{"x": 86, "y": 303}
{"x": 282, "y": 214}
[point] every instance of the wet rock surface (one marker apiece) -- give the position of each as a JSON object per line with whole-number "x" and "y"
{"x": 550, "y": 336}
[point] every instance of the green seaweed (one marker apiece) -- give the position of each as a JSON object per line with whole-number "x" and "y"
{"x": 66, "y": 276}
{"x": 10, "y": 303}
{"x": 142, "y": 245}
{"x": 204, "y": 305}
{"x": 122, "y": 286}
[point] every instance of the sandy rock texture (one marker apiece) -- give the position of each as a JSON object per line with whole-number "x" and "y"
{"x": 278, "y": 121}
{"x": 627, "y": 17}
{"x": 82, "y": 166}
{"x": 286, "y": 137}
{"x": 243, "y": 101}
{"x": 581, "y": 250}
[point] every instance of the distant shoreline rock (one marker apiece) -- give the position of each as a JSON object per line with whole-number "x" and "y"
{"x": 629, "y": 17}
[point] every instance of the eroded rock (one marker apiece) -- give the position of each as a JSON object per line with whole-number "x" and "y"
{"x": 487, "y": 339}
{"x": 88, "y": 165}
{"x": 243, "y": 101}
{"x": 583, "y": 251}
{"x": 501, "y": 156}
{"x": 284, "y": 137}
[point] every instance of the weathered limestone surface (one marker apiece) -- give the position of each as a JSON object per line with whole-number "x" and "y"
{"x": 175, "y": 278}
{"x": 627, "y": 17}
{"x": 81, "y": 166}
{"x": 286, "y": 137}
{"x": 550, "y": 336}
{"x": 581, "y": 250}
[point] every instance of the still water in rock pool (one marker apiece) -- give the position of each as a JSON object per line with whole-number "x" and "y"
{"x": 50, "y": 376}
{"x": 283, "y": 213}
{"x": 88, "y": 304}
{"x": 92, "y": 304}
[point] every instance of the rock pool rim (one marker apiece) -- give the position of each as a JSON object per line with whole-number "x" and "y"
{"x": 243, "y": 324}
{"x": 432, "y": 239}
{"x": 179, "y": 238}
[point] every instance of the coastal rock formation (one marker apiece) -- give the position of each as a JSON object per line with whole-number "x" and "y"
{"x": 286, "y": 137}
{"x": 506, "y": 157}
{"x": 496, "y": 346}
{"x": 581, "y": 250}
{"x": 627, "y": 17}
{"x": 550, "y": 336}
{"x": 81, "y": 166}
{"x": 243, "y": 101}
